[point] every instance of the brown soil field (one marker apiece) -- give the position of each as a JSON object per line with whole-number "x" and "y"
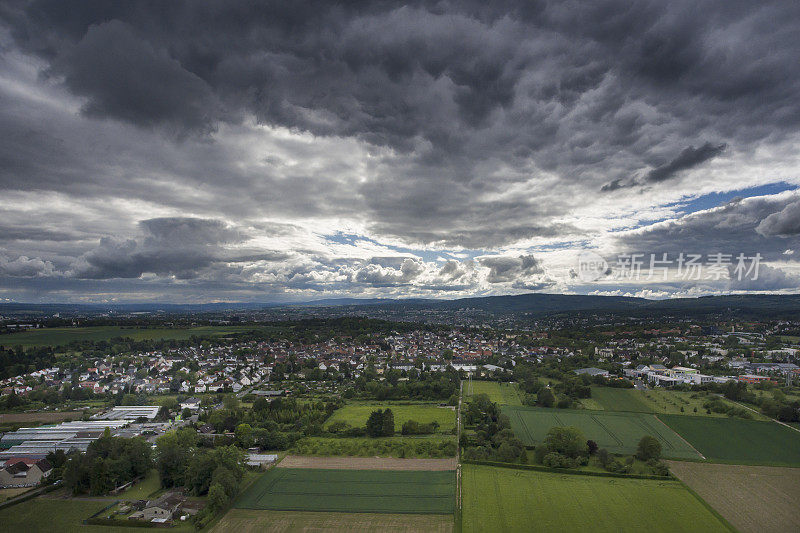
{"x": 758, "y": 499}
{"x": 252, "y": 521}
{"x": 367, "y": 463}
{"x": 40, "y": 417}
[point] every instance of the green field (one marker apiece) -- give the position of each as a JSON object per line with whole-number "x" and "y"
{"x": 500, "y": 393}
{"x": 63, "y": 336}
{"x": 263, "y": 521}
{"x": 142, "y": 489}
{"x": 356, "y": 414}
{"x": 658, "y": 400}
{"x": 65, "y": 516}
{"x": 617, "y": 432}
{"x": 737, "y": 440}
{"x": 612, "y": 399}
{"x": 505, "y": 499}
{"x": 401, "y": 447}
{"x": 376, "y": 491}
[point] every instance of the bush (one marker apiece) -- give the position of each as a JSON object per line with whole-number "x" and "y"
{"x": 556, "y": 460}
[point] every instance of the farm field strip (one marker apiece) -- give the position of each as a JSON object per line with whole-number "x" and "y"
{"x": 367, "y": 463}
{"x": 738, "y": 441}
{"x": 500, "y": 393}
{"x": 619, "y": 432}
{"x": 266, "y": 521}
{"x": 752, "y": 498}
{"x": 505, "y": 499}
{"x": 351, "y": 491}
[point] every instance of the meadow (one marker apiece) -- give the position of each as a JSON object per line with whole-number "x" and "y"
{"x": 757, "y": 499}
{"x": 63, "y": 336}
{"x": 618, "y": 432}
{"x": 500, "y": 393}
{"x": 739, "y": 441}
{"x": 258, "y": 521}
{"x": 658, "y": 400}
{"x": 376, "y": 491}
{"x": 505, "y": 499}
{"x": 356, "y": 413}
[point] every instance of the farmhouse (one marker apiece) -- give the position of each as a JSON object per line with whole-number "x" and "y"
{"x": 24, "y": 472}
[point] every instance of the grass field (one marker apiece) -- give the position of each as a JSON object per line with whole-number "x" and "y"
{"x": 64, "y": 516}
{"x": 505, "y": 499}
{"x": 257, "y": 521}
{"x": 757, "y": 499}
{"x": 500, "y": 393}
{"x": 739, "y": 441}
{"x": 62, "y": 336}
{"x": 375, "y": 491}
{"x": 618, "y": 432}
{"x": 611, "y": 399}
{"x": 142, "y": 489}
{"x": 44, "y": 417}
{"x": 356, "y": 414}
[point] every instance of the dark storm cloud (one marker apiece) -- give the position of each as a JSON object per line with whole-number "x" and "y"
{"x": 746, "y": 226}
{"x": 784, "y": 223}
{"x": 450, "y": 124}
{"x": 510, "y": 269}
{"x": 179, "y": 247}
{"x": 688, "y": 158}
{"x": 126, "y": 77}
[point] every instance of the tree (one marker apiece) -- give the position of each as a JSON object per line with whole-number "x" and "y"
{"x": 171, "y": 459}
{"x": 546, "y": 398}
{"x": 217, "y": 498}
{"x": 591, "y": 446}
{"x": 568, "y": 441}
{"x": 388, "y": 424}
{"x": 374, "y": 426}
{"x": 244, "y": 435}
{"x": 648, "y": 448}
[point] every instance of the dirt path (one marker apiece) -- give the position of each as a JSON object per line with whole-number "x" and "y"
{"x": 367, "y": 463}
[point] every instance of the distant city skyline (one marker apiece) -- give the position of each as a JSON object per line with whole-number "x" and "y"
{"x": 184, "y": 152}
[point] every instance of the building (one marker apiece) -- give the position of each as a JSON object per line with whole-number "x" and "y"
{"x": 592, "y": 372}
{"x": 129, "y": 412}
{"x": 24, "y": 472}
{"x": 753, "y": 378}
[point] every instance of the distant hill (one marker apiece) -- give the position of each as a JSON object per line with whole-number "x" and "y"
{"x": 535, "y": 303}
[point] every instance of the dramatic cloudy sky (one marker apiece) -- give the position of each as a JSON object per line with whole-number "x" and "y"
{"x": 219, "y": 151}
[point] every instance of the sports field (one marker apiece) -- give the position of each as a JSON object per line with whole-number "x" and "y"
{"x": 757, "y": 499}
{"x": 618, "y": 432}
{"x": 505, "y": 499}
{"x": 62, "y": 336}
{"x": 370, "y": 491}
{"x": 258, "y": 521}
{"x": 357, "y": 413}
{"x": 739, "y": 441}
{"x": 500, "y": 393}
